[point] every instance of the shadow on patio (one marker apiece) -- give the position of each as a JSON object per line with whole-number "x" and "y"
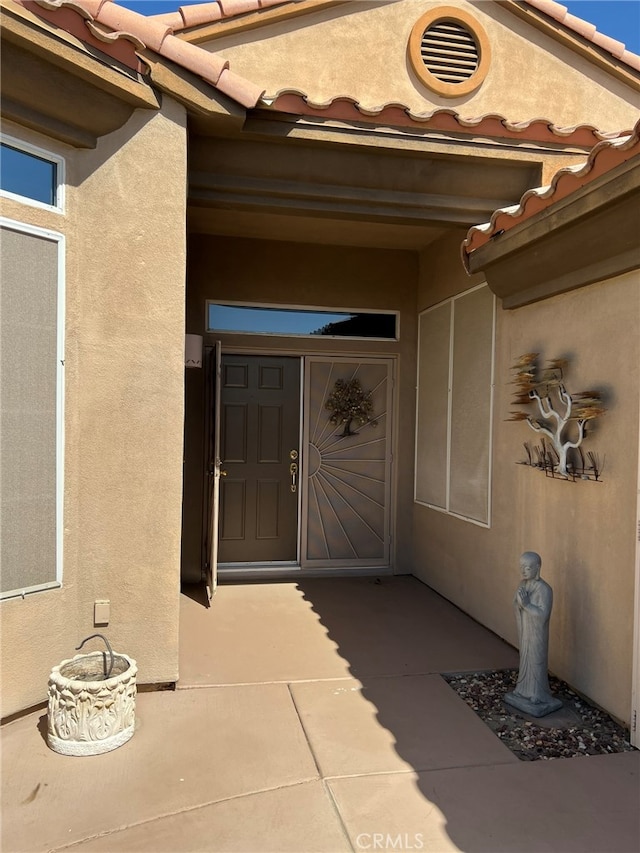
{"x": 311, "y": 716}
{"x": 404, "y": 759}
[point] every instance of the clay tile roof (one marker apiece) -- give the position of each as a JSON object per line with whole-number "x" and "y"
{"x": 119, "y": 32}
{"x": 603, "y": 158}
{"x": 560, "y": 13}
{"x": 191, "y": 16}
{"x": 78, "y": 21}
{"x": 208, "y": 13}
{"x": 119, "y": 19}
{"x": 115, "y": 22}
{"x": 444, "y": 120}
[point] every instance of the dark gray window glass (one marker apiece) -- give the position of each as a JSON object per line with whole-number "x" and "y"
{"x": 288, "y": 321}
{"x": 27, "y": 175}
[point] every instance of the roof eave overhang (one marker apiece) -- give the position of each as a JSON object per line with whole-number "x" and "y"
{"x": 55, "y": 85}
{"x": 590, "y": 236}
{"x": 205, "y": 105}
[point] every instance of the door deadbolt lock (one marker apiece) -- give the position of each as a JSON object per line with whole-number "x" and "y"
{"x": 293, "y": 454}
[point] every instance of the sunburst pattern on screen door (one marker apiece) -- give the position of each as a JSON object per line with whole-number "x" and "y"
{"x": 347, "y": 492}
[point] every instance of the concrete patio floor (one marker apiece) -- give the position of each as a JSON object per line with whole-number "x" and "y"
{"x": 311, "y": 716}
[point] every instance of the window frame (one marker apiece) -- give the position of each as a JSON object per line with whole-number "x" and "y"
{"x": 307, "y": 308}
{"x": 42, "y": 154}
{"x": 451, "y": 301}
{"x": 56, "y": 237}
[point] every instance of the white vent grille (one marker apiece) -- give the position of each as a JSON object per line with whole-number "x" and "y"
{"x": 449, "y": 52}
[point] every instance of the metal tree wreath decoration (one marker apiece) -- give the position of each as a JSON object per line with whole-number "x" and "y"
{"x": 349, "y": 403}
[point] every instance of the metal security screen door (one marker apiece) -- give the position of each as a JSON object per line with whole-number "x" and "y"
{"x": 347, "y": 486}
{"x": 259, "y": 459}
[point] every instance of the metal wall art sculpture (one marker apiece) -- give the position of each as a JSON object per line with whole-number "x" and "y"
{"x": 559, "y": 417}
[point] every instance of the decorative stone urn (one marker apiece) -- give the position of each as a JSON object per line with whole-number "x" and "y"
{"x": 91, "y": 703}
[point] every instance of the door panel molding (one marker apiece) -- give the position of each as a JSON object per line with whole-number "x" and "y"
{"x": 259, "y": 512}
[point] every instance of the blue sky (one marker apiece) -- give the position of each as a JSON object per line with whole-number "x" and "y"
{"x": 619, "y": 19}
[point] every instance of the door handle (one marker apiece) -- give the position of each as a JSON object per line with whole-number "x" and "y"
{"x": 293, "y": 470}
{"x": 223, "y": 473}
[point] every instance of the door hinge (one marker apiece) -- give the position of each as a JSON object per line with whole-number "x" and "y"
{"x": 634, "y": 721}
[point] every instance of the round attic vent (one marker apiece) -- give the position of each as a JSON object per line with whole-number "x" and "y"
{"x": 449, "y": 51}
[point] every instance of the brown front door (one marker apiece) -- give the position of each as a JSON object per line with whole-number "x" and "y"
{"x": 260, "y": 434}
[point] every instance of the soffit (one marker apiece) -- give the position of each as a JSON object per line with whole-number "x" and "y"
{"x": 308, "y": 188}
{"x": 310, "y": 228}
{"x": 58, "y": 85}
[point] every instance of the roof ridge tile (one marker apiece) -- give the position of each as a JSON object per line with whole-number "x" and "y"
{"x": 210, "y": 12}
{"x": 587, "y": 30}
{"x": 150, "y": 32}
{"x": 584, "y": 28}
{"x": 201, "y": 13}
{"x": 239, "y": 88}
{"x": 173, "y": 20}
{"x": 231, "y": 8}
{"x": 207, "y": 65}
{"x": 631, "y": 59}
{"x": 615, "y": 47}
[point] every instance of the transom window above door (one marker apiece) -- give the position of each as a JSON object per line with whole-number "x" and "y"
{"x": 305, "y": 322}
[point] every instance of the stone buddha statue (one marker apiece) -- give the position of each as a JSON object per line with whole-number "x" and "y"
{"x": 532, "y": 604}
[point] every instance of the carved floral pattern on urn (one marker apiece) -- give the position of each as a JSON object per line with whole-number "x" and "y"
{"x": 90, "y": 717}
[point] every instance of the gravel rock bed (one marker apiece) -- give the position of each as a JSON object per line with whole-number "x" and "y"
{"x": 576, "y": 729}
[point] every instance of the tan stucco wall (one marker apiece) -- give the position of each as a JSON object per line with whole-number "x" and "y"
{"x": 585, "y": 531}
{"x": 258, "y": 271}
{"x": 360, "y": 51}
{"x": 125, "y": 283}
